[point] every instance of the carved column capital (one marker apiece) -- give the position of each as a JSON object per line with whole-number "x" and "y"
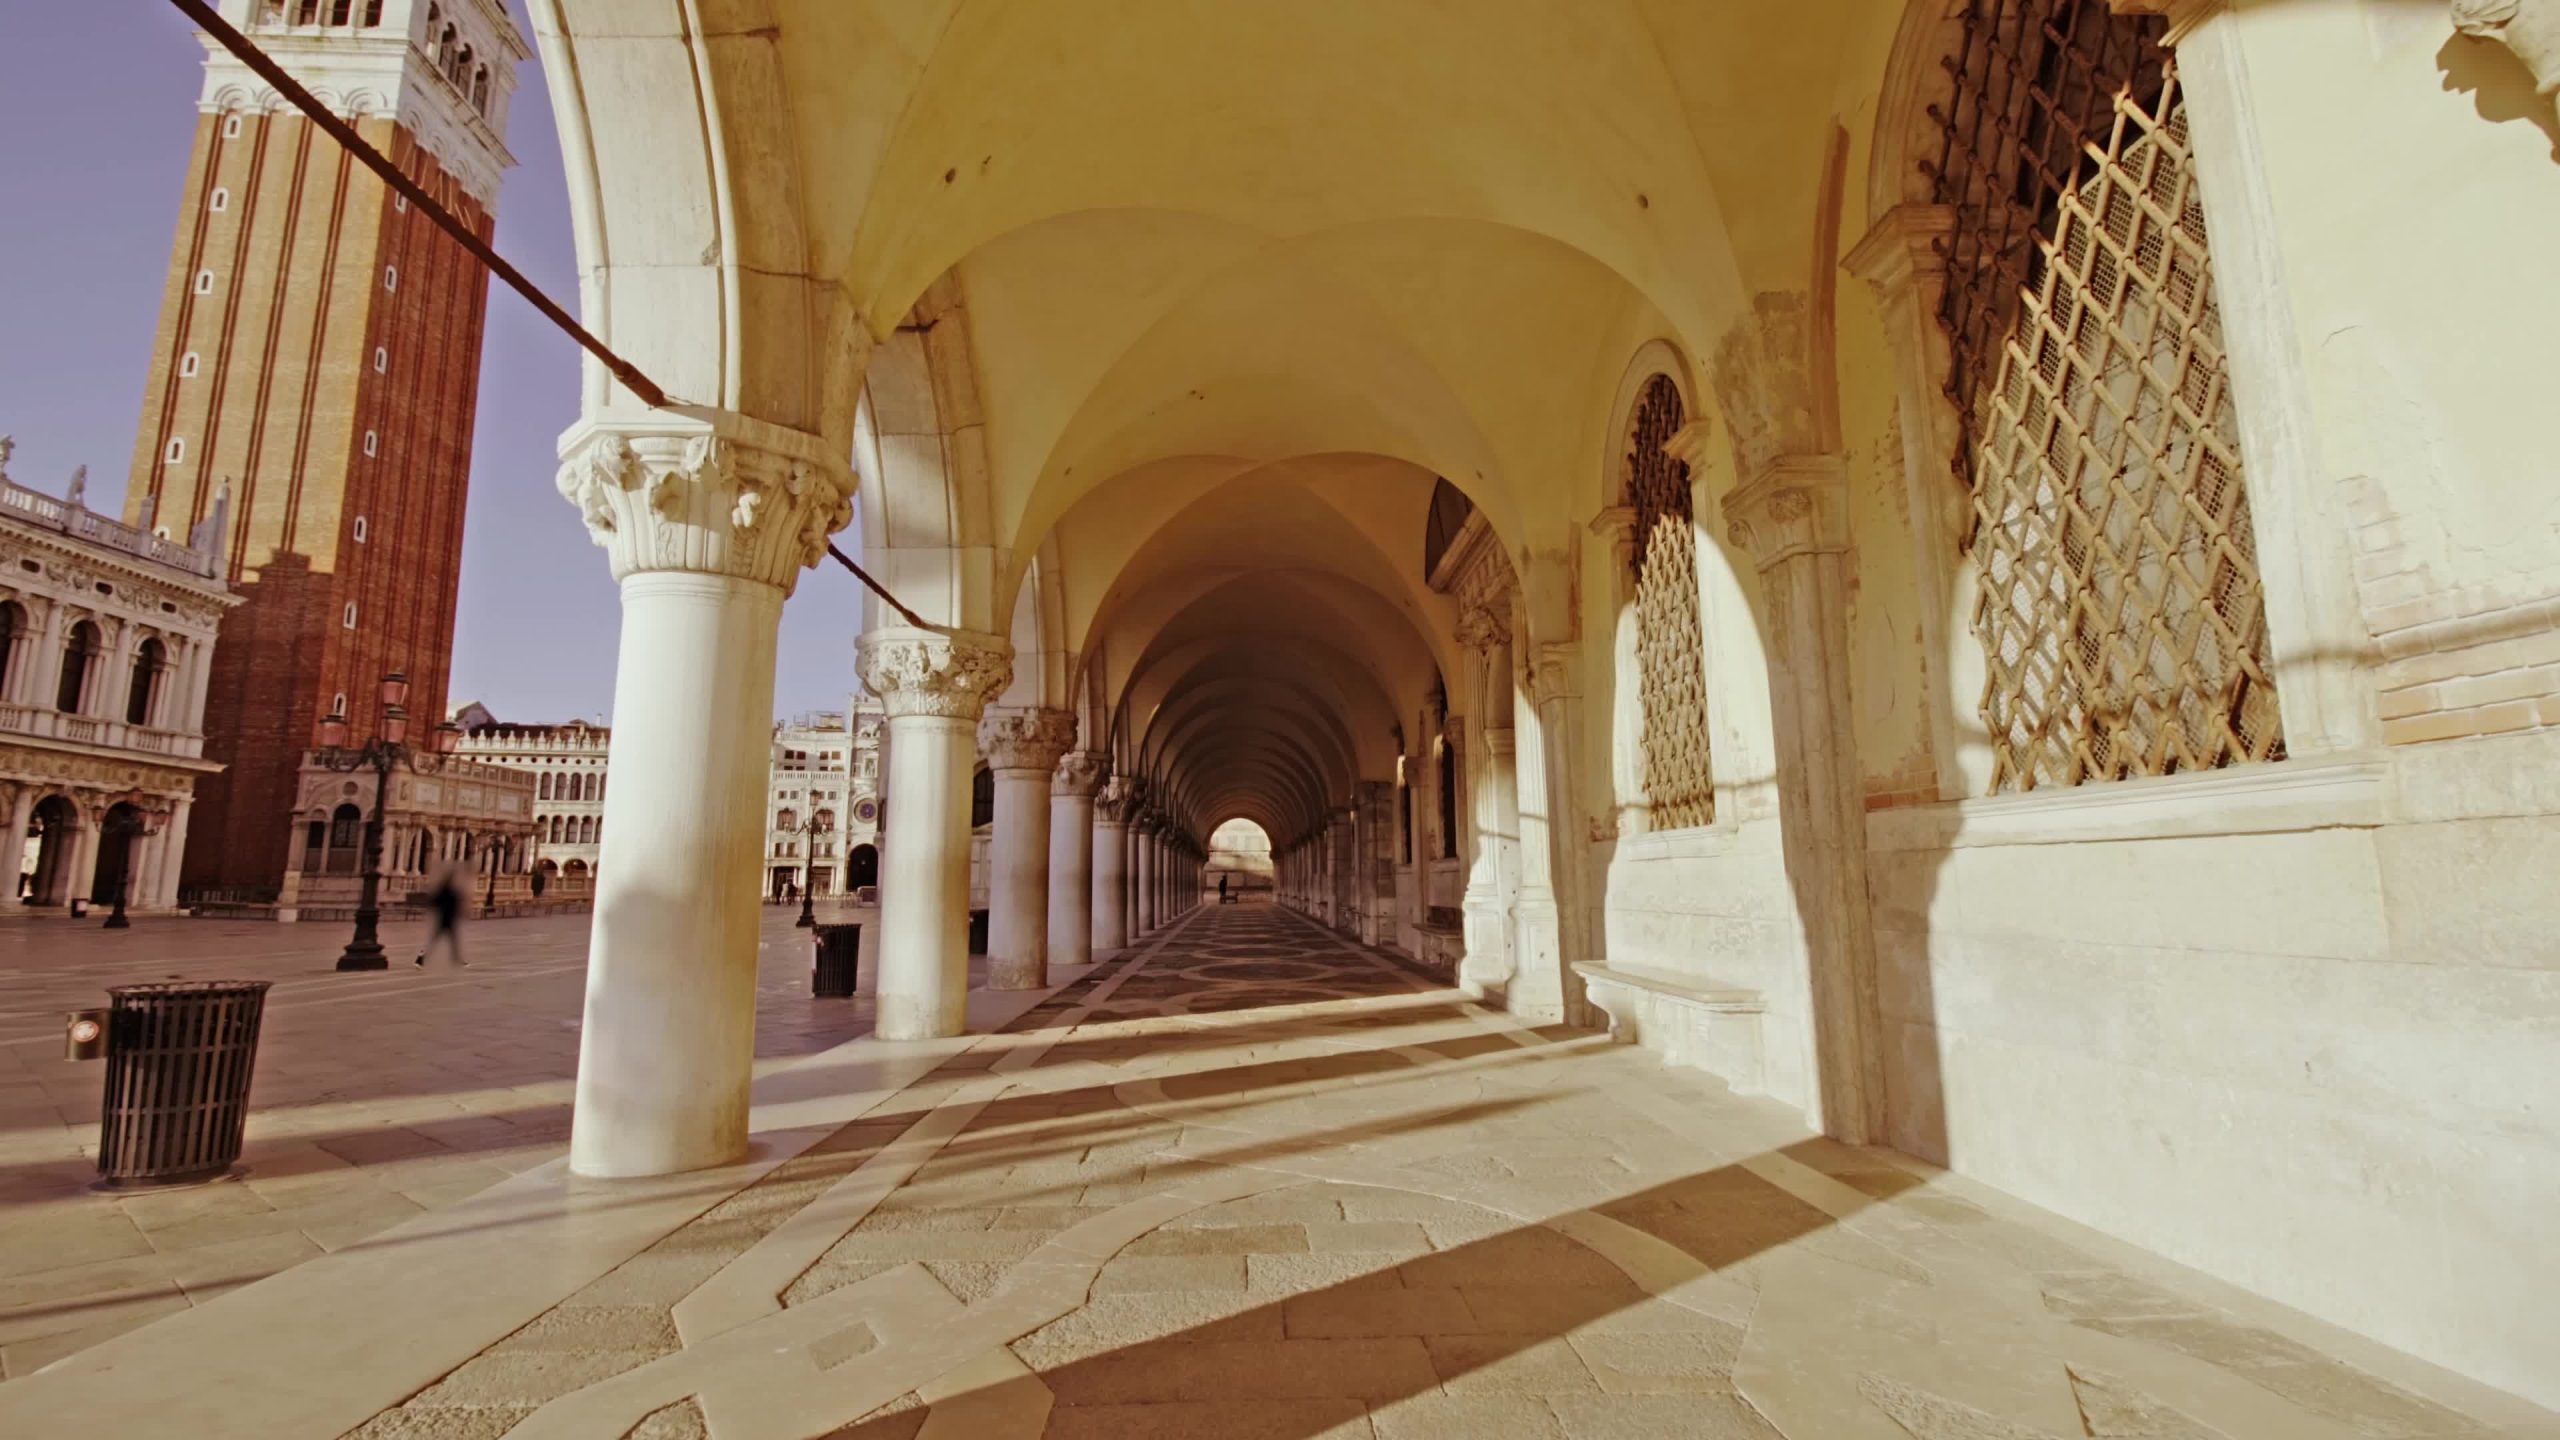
{"x": 1111, "y": 801}
{"x": 723, "y": 496}
{"x": 1080, "y": 773}
{"x": 1549, "y": 672}
{"x": 1026, "y": 739}
{"x": 1907, "y": 246}
{"x": 2530, "y": 28}
{"x": 1798, "y": 505}
{"x": 1484, "y": 625}
{"x": 951, "y": 674}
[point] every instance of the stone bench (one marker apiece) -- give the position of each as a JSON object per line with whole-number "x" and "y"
{"x": 1688, "y": 1020}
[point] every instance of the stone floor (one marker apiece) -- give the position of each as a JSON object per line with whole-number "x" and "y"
{"x": 1250, "y": 1181}
{"x": 377, "y": 1098}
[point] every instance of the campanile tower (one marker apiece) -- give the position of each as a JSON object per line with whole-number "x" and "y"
{"x": 318, "y": 356}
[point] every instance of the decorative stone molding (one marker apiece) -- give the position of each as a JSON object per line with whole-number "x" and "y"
{"x": 1798, "y": 505}
{"x": 734, "y": 496}
{"x": 1080, "y": 772}
{"x": 950, "y": 675}
{"x": 1026, "y": 739}
{"x": 1111, "y": 801}
{"x": 1549, "y": 672}
{"x": 2530, "y": 28}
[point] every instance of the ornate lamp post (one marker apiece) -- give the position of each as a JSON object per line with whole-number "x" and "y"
{"x": 385, "y": 751}
{"x": 810, "y": 831}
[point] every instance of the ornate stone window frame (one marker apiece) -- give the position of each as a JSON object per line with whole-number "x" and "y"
{"x": 1720, "y": 607}
{"x": 2316, "y": 631}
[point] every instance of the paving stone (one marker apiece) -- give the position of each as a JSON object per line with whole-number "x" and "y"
{"x": 1296, "y": 1274}
{"x": 1661, "y": 1417}
{"x": 440, "y": 1423}
{"x": 1230, "y": 1370}
{"x": 1474, "y": 1417}
{"x": 1304, "y": 1419}
{"x": 526, "y": 1377}
{"x": 1533, "y": 1364}
{"x": 1224, "y": 1240}
{"x": 1170, "y": 1272}
{"x": 1661, "y": 1364}
{"x": 1368, "y": 1237}
{"x": 597, "y": 1327}
{"x": 1360, "y": 1312}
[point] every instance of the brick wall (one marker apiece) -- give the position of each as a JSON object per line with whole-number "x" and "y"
{"x": 2457, "y": 661}
{"x": 284, "y": 393}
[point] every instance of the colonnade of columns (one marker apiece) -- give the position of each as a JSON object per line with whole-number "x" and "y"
{"x": 708, "y": 526}
{"x": 67, "y": 866}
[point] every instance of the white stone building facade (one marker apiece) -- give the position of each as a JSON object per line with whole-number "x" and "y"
{"x": 822, "y": 804}
{"x": 567, "y": 765}
{"x": 106, "y": 637}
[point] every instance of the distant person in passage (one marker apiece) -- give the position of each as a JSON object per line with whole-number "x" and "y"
{"x": 1222, "y": 889}
{"x": 444, "y": 904}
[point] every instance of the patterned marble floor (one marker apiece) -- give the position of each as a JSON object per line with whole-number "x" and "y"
{"x": 1251, "y": 1182}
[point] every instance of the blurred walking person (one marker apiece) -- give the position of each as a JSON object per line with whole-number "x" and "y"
{"x": 445, "y": 904}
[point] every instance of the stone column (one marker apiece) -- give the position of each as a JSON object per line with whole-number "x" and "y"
{"x": 934, "y": 685}
{"x": 1022, "y": 749}
{"x": 1142, "y": 839}
{"x": 1542, "y": 712}
{"x": 1074, "y": 879}
{"x": 1342, "y": 855}
{"x": 708, "y": 523}
{"x": 1793, "y": 517}
{"x": 1493, "y": 877}
{"x": 44, "y": 677}
{"x": 84, "y": 854}
{"x": 1111, "y": 868}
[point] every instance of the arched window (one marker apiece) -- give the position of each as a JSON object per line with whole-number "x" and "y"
{"x": 79, "y": 657}
{"x": 480, "y": 89}
{"x": 13, "y": 628}
{"x": 586, "y": 829}
{"x": 444, "y": 50}
{"x": 372, "y": 13}
{"x": 542, "y": 787}
{"x": 824, "y": 820}
{"x": 341, "y": 11}
{"x": 346, "y": 837}
{"x": 982, "y": 798}
{"x": 148, "y": 663}
{"x": 786, "y": 819}
{"x": 1678, "y": 773}
{"x": 558, "y": 828}
{"x": 2121, "y": 614}
{"x": 307, "y": 13}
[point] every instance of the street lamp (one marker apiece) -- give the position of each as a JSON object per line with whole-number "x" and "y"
{"x": 125, "y": 831}
{"x": 817, "y": 825}
{"x": 385, "y": 751}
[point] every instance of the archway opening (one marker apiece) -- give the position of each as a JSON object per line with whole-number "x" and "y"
{"x": 116, "y": 839}
{"x": 45, "y": 858}
{"x": 1239, "y": 860}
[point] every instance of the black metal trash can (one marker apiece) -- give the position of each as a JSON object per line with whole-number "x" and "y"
{"x": 839, "y": 959}
{"x": 178, "y": 1063}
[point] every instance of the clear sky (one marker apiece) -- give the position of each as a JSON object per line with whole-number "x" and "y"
{"x": 97, "y": 111}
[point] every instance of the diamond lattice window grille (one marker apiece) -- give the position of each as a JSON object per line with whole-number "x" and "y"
{"x": 2120, "y": 609}
{"x": 1679, "y": 781}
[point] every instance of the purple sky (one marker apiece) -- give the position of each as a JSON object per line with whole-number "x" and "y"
{"x": 97, "y": 104}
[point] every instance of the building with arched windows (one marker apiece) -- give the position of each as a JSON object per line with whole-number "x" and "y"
{"x": 822, "y": 804}
{"x": 106, "y": 636}
{"x": 564, "y": 765}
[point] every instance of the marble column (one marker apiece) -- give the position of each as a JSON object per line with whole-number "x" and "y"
{"x": 1793, "y": 518}
{"x": 707, "y": 522}
{"x": 1142, "y": 838}
{"x": 84, "y": 856}
{"x": 934, "y": 686}
{"x": 1493, "y": 877}
{"x": 1022, "y": 749}
{"x": 1111, "y": 868}
{"x": 1074, "y": 880}
{"x": 22, "y": 813}
{"x": 1541, "y": 716}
